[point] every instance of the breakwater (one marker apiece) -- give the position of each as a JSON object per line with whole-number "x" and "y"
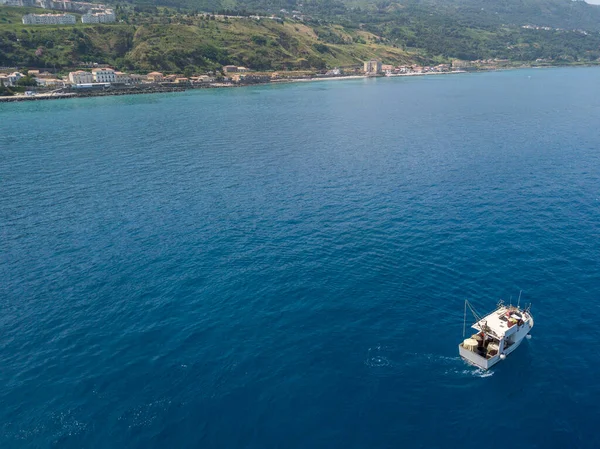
{"x": 78, "y": 93}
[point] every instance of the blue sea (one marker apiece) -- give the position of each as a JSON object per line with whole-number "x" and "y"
{"x": 286, "y": 266}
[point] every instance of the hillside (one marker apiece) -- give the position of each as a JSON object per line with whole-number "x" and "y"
{"x": 463, "y": 29}
{"x": 189, "y": 42}
{"x": 566, "y": 14}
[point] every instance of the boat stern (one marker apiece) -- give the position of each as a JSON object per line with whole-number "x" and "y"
{"x": 475, "y": 359}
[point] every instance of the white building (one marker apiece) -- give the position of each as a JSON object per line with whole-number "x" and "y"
{"x": 104, "y": 75}
{"x": 51, "y": 82}
{"x": 372, "y": 67}
{"x": 137, "y": 79}
{"x": 203, "y": 79}
{"x": 61, "y": 5}
{"x": 121, "y": 77}
{"x": 80, "y": 77}
{"x": 108, "y": 16}
{"x": 48, "y": 19}
{"x": 14, "y": 77}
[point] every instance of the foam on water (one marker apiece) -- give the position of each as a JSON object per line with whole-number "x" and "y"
{"x": 376, "y": 357}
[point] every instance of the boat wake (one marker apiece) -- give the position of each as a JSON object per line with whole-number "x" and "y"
{"x": 457, "y": 366}
{"x": 478, "y": 372}
{"x": 454, "y": 365}
{"x": 471, "y": 370}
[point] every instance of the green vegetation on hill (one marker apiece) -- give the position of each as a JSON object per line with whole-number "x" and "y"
{"x": 437, "y": 35}
{"x": 567, "y": 14}
{"x": 192, "y": 43}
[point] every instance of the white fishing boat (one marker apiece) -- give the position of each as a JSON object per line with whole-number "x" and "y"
{"x": 498, "y": 334}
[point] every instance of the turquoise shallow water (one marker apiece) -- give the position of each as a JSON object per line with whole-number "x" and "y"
{"x": 285, "y": 266}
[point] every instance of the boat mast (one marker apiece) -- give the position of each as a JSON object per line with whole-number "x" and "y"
{"x": 519, "y": 301}
{"x": 465, "y": 320}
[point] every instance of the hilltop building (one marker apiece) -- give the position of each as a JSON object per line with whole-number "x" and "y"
{"x": 61, "y": 5}
{"x": 66, "y": 5}
{"x": 17, "y": 2}
{"x": 48, "y": 19}
{"x": 106, "y": 16}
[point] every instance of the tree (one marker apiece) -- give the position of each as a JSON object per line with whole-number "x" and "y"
{"x": 316, "y": 62}
{"x": 27, "y": 81}
{"x": 321, "y": 48}
{"x": 259, "y": 40}
{"x": 188, "y": 72}
{"x": 5, "y": 91}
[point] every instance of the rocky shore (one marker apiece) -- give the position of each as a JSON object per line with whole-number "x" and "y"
{"x": 79, "y": 93}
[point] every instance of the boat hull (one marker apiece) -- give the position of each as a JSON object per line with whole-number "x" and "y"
{"x": 483, "y": 363}
{"x": 514, "y": 346}
{"x": 475, "y": 359}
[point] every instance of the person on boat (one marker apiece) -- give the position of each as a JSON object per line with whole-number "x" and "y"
{"x": 480, "y": 340}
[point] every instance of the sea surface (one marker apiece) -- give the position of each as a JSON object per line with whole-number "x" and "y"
{"x": 286, "y": 266}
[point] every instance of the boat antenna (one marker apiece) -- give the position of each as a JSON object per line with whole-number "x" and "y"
{"x": 465, "y": 320}
{"x": 475, "y": 314}
{"x": 519, "y": 301}
{"x": 510, "y": 301}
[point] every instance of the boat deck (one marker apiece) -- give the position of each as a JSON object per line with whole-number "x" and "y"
{"x": 497, "y": 321}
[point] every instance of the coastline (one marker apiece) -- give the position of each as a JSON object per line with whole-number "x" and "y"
{"x": 138, "y": 90}
{"x": 321, "y": 78}
{"x": 100, "y": 93}
{"x": 170, "y": 89}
